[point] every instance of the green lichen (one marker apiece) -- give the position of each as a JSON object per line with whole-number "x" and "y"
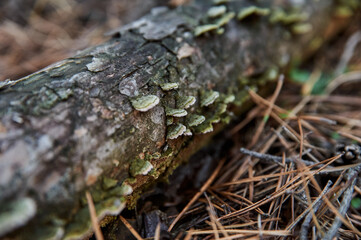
{"x": 229, "y": 98}
{"x": 109, "y": 183}
{"x": 220, "y": 31}
{"x": 301, "y": 28}
{"x": 140, "y": 167}
{"x": 125, "y": 189}
{"x": 208, "y": 97}
{"x": 220, "y": 1}
{"x": 175, "y": 112}
{"x": 175, "y": 130}
{"x": 194, "y": 120}
{"x": 16, "y": 214}
{"x": 184, "y": 102}
{"x": 82, "y": 223}
{"x": 204, "y": 128}
{"x": 199, "y": 30}
{"x": 170, "y": 121}
{"x": 169, "y": 86}
{"x": 253, "y": 10}
{"x": 216, "y": 11}
{"x": 221, "y": 108}
{"x": 225, "y": 19}
{"x": 188, "y": 132}
{"x": 145, "y": 103}
{"x": 280, "y": 16}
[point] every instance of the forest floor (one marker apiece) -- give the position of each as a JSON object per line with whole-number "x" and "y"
{"x": 288, "y": 168}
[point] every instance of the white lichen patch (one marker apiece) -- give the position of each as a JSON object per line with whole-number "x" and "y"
{"x": 175, "y": 112}
{"x": 129, "y": 87}
{"x": 195, "y": 120}
{"x": 185, "y": 102}
{"x": 18, "y": 213}
{"x": 204, "y": 28}
{"x": 97, "y": 65}
{"x": 216, "y": 11}
{"x": 168, "y": 86}
{"x": 253, "y": 10}
{"x": 185, "y": 51}
{"x": 225, "y": 19}
{"x": 125, "y": 189}
{"x": 175, "y": 131}
{"x": 208, "y": 98}
{"x": 145, "y": 103}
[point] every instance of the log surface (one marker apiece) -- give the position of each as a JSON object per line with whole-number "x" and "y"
{"x": 73, "y": 126}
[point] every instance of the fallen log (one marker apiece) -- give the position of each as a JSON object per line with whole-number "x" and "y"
{"x": 116, "y": 117}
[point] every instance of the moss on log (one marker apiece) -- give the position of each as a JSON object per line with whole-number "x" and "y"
{"x": 114, "y": 118}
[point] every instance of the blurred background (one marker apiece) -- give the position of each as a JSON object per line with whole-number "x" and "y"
{"x": 36, "y": 33}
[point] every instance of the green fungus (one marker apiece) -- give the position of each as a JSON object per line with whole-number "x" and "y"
{"x": 220, "y": 1}
{"x": 208, "y": 98}
{"x": 175, "y": 131}
{"x": 301, "y": 28}
{"x": 225, "y": 19}
{"x": 188, "y": 132}
{"x": 194, "y": 120}
{"x": 18, "y": 213}
{"x": 229, "y": 99}
{"x": 170, "y": 121}
{"x": 125, "y": 189}
{"x": 184, "y": 102}
{"x": 279, "y": 15}
{"x": 216, "y": 11}
{"x": 168, "y": 86}
{"x": 140, "y": 167}
{"x": 253, "y": 10}
{"x": 145, "y": 103}
{"x": 175, "y": 112}
{"x": 204, "y": 28}
{"x": 204, "y": 128}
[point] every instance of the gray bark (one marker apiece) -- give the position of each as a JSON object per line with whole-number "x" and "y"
{"x": 73, "y": 126}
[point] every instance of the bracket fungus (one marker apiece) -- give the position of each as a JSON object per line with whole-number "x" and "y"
{"x": 145, "y": 103}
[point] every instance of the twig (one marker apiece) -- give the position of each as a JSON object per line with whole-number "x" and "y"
{"x": 344, "y": 78}
{"x": 198, "y": 194}
{"x": 93, "y": 217}
{"x": 272, "y": 158}
{"x": 314, "y": 207}
{"x": 345, "y": 204}
{"x": 348, "y": 52}
{"x": 130, "y": 228}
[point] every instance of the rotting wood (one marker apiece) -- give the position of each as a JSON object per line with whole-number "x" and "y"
{"x": 73, "y": 126}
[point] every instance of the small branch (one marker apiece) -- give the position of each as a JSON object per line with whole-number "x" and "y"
{"x": 130, "y": 228}
{"x": 316, "y": 204}
{"x": 271, "y": 158}
{"x": 345, "y": 204}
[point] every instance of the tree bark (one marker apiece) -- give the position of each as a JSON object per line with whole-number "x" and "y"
{"x": 116, "y": 117}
